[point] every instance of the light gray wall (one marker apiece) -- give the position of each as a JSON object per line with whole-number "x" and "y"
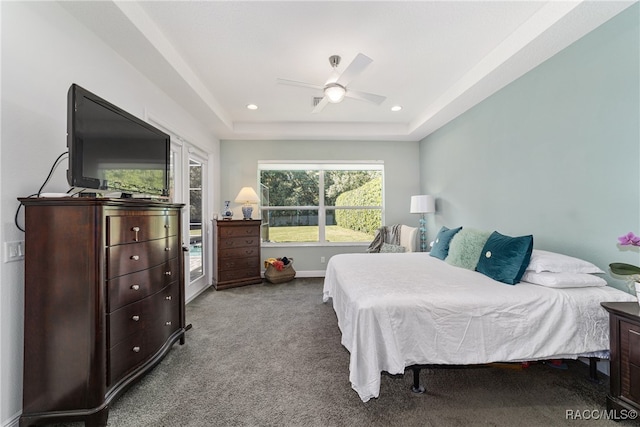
{"x": 555, "y": 154}
{"x": 239, "y": 168}
{"x": 44, "y": 50}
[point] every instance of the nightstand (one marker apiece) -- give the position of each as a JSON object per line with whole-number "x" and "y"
{"x": 624, "y": 339}
{"x": 236, "y": 248}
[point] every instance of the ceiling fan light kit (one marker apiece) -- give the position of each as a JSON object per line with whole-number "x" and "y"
{"x": 335, "y": 92}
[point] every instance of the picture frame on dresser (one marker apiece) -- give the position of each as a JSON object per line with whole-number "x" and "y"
{"x": 236, "y": 253}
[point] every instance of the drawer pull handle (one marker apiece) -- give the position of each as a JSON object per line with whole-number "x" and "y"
{"x": 136, "y": 349}
{"x": 135, "y": 318}
{"x": 634, "y": 332}
{"x": 135, "y": 287}
{"x": 168, "y": 323}
{"x": 167, "y": 226}
{"x": 167, "y": 273}
{"x": 135, "y": 257}
{"x": 167, "y": 249}
{"x": 135, "y": 230}
{"x": 168, "y": 298}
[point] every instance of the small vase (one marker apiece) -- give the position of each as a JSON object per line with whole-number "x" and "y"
{"x": 227, "y": 213}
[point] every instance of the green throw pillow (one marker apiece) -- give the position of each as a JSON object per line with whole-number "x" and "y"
{"x": 465, "y": 248}
{"x": 440, "y": 247}
{"x": 505, "y": 258}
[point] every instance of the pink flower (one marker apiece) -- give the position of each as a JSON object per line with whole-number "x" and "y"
{"x": 629, "y": 239}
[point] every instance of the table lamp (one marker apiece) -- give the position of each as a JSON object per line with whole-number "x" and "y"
{"x": 247, "y": 196}
{"x": 423, "y": 204}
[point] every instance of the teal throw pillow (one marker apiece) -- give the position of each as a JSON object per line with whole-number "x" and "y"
{"x": 440, "y": 247}
{"x": 389, "y": 248}
{"x": 505, "y": 258}
{"x": 465, "y": 248}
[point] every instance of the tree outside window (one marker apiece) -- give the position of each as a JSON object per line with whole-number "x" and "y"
{"x": 321, "y": 203}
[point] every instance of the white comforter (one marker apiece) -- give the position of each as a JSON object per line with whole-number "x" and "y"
{"x": 397, "y": 310}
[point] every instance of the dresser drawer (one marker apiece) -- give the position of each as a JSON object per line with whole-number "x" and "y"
{"x": 127, "y": 321}
{"x": 630, "y": 360}
{"x": 230, "y": 275}
{"x": 125, "y": 356}
{"x": 239, "y": 253}
{"x": 125, "y": 259}
{"x": 239, "y": 231}
{"x": 165, "y": 319}
{"x": 139, "y": 228}
{"x": 239, "y": 242}
{"x": 132, "y": 287}
{"x": 238, "y": 263}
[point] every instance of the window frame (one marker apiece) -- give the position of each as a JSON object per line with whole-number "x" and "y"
{"x": 321, "y": 167}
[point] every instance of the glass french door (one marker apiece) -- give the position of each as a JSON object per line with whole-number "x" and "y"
{"x": 190, "y": 186}
{"x": 196, "y": 209}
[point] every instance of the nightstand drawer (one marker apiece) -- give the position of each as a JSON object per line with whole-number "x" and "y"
{"x": 634, "y": 343}
{"x": 239, "y": 231}
{"x": 238, "y": 263}
{"x": 239, "y": 252}
{"x": 246, "y": 273}
{"x": 239, "y": 242}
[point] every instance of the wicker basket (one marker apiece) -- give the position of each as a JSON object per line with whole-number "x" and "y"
{"x": 274, "y": 276}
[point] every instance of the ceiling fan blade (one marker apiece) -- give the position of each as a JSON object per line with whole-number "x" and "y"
{"x": 323, "y": 102}
{"x": 299, "y": 84}
{"x": 356, "y": 67}
{"x": 365, "y": 96}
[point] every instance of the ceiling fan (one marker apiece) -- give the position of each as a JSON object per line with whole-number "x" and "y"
{"x": 335, "y": 89}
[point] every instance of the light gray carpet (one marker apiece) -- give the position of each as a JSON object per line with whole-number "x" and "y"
{"x": 270, "y": 355}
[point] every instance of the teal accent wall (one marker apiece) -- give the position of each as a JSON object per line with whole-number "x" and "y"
{"x": 555, "y": 154}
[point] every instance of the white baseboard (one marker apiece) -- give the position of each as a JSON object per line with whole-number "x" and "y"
{"x": 310, "y": 273}
{"x": 307, "y": 273}
{"x": 12, "y": 422}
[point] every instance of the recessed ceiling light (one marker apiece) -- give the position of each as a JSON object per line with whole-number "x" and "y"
{"x": 396, "y": 108}
{"x": 252, "y": 106}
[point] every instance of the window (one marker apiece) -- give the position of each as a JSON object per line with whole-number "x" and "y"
{"x": 321, "y": 202}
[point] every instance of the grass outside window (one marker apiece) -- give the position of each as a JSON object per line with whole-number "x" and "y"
{"x": 306, "y": 234}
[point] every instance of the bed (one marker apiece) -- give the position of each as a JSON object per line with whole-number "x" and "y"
{"x": 401, "y": 310}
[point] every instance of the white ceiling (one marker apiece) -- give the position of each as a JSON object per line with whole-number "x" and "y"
{"x": 435, "y": 58}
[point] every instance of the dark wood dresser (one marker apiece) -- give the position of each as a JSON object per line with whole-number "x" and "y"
{"x": 236, "y": 253}
{"x": 104, "y": 301}
{"x": 624, "y": 387}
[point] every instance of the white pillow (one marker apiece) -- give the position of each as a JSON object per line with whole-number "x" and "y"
{"x": 563, "y": 280}
{"x": 558, "y": 263}
{"x": 408, "y": 238}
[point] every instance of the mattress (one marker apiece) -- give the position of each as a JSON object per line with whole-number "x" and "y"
{"x": 398, "y": 310}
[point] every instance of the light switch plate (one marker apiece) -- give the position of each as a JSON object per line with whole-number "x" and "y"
{"x": 14, "y": 251}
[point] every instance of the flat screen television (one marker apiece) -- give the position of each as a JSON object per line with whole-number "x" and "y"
{"x": 111, "y": 150}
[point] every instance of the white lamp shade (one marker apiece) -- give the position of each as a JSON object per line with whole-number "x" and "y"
{"x": 247, "y": 196}
{"x": 423, "y": 204}
{"x": 334, "y": 92}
